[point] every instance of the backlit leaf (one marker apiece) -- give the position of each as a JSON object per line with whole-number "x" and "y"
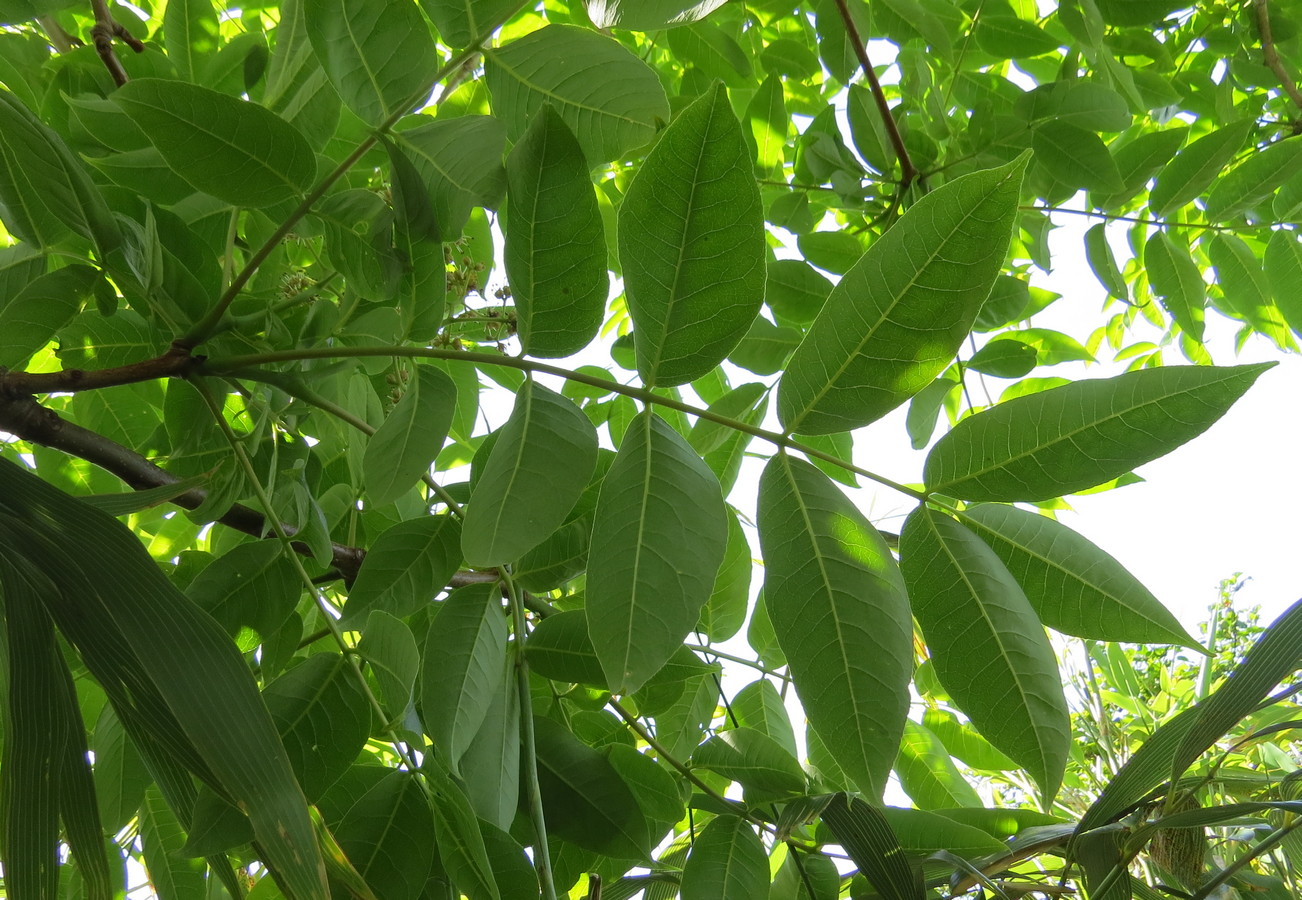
{"x": 233, "y": 149}
{"x": 648, "y": 15}
{"x": 1254, "y": 180}
{"x": 1075, "y": 156}
{"x": 1177, "y": 281}
{"x": 896, "y": 319}
{"x": 838, "y": 605}
{"x": 657, "y": 542}
{"x": 753, "y": 760}
{"x": 1195, "y": 167}
{"x": 691, "y": 242}
{"x": 968, "y": 605}
{"x": 1068, "y": 438}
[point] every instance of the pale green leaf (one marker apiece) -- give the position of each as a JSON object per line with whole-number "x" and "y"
{"x": 1254, "y": 180}
{"x": 1104, "y": 265}
{"x": 461, "y": 668}
{"x": 405, "y": 568}
{"x": 1177, "y": 281}
{"x": 555, "y": 241}
{"x": 838, "y": 606}
{"x": 402, "y": 449}
{"x": 969, "y": 607}
{"x": 727, "y": 862}
{"x": 539, "y": 466}
{"x": 611, "y": 100}
{"x": 928, "y": 775}
{"x": 648, "y": 15}
{"x": 658, "y": 539}
{"x": 923, "y": 833}
{"x": 1284, "y": 272}
{"x": 1196, "y": 166}
{"x": 898, "y": 316}
{"x": 691, "y": 243}
{"x": 1075, "y": 587}
{"x": 233, "y": 149}
{"x": 1076, "y": 436}
{"x": 379, "y": 55}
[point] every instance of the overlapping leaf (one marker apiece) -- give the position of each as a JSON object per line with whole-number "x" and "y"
{"x": 1080, "y": 435}
{"x": 405, "y": 568}
{"x": 658, "y": 538}
{"x": 970, "y": 609}
{"x": 233, "y": 149}
{"x": 691, "y": 242}
{"x": 841, "y": 614}
{"x": 898, "y": 316}
{"x": 402, "y": 449}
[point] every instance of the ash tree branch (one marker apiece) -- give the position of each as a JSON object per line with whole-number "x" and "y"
{"x": 908, "y": 174}
{"x": 107, "y": 28}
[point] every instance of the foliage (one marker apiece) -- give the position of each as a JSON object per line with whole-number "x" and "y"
{"x": 273, "y": 269}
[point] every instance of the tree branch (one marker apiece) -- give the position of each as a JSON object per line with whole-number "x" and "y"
{"x": 908, "y": 174}
{"x": 102, "y": 34}
{"x": 176, "y": 362}
{"x": 1271, "y": 55}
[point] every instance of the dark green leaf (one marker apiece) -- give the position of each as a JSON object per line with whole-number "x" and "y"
{"x": 752, "y": 759}
{"x": 1068, "y": 438}
{"x": 460, "y": 162}
{"x": 559, "y": 648}
{"x": 461, "y": 22}
{"x": 405, "y": 568}
{"x": 896, "y": 319}
{"x": 691, "y": 242}
{"x": 401, "y": 449}
{"x": 31, "y": 318}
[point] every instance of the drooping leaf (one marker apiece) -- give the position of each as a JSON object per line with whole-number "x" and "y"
{"x": 45, "y": 192}
{"x": 1283, "y": 260}
{"x": 233, "y": 149}
{"x": 725, "y": 611}
{"x": 1196, "y": 166}
{"x": 896, "y": 319}
{"x": 1075, "y": 587}
{"x": 968, "y": 604}
{"x": 1099, "y": 254}
{"x": 691, "y": 243}
{"x": 727, "y": 862}
{"x": 539, "y": 466}
{"x": 1068, "y": 438}
{"x": 609, "y": 98}
{"x": 658, "y": 538}
{"x": 461, "y": 668}
{"x": 555, "y": 240}
{"x": 380, "y": 57}
{"x": 490, "y": 767}
{"x": 402, "y": 449}
{"x": 405, "y": 568}
{"x": 838, "y": 606}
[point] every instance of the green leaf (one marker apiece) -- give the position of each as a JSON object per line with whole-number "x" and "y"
{"x": 658, "y": 539}
{"x": 795, "y": 291}
{"x": 1075, "y": 156}
{"x": 32, "y": 317}
{"x": 691, "y": 243}
{"x": 584, "y": 799}
{"x": 191, "y": 34}
{"x": 928, "y": 775}
{"x": 963, "y": 743}
{"x": 1072, "y": 437}
{"x": 894, "y": 322}
{"x": 45, "y": 192}
{"x": 1004, "y": 358}
{"x": 461, "y": 668}
{"x": 459, "y": 837}
{"x": 233, "y": 149}
{"x": 725, "y": 611}
{"x": 752, "y": 759}
{"x": 767, "y": 123}
{"x": 759, "y": 706}
{"x": 866, "y": 835}
{"x": 402, "y": 449}
{"x": 1085, "y": 104}
{"x": 388, "y": 836}
{"x": 405, "y": 568}
{"x": 1139, "y": 160}
{"x": 111, "y": 593}
{"x": 1007, "y": 36}
{"x": 727, "y": 862}
{"x": 1195, "y": 167}
{"x": 254, "y": 585}
{"x": 1177, "y": 281}
{"x": 1075, "y": 587}
{"x": 1283, "y": 269}
{"x": 969, "y": 606}
{"x": 838, "y": 605}
{"x": 1253, "y": 181}
{"x": 649, "y": 15}
{"x": 460, "y": 162}
{"x": 923, "y": 833}
{"x": 611, "y": 100}
{"x": 379, "y": 56}
{"x": 555, "y": 241}
{"x": 390, "y": 648}
{"x": 539, "y": 466}
{"x": 460, "y": 22}
{"x": 1104, "y": 265}
{"x": 174, "y": 875}
{"x": 320, "y": 695}
{"x": 559, "y": 648}
{"x": 490, "y": 767}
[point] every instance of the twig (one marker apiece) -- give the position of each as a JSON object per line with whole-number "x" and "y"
{"x": 59, "y": 39}
{"x": 176, "y": 362}
{"x": 1271, "y": 55}
{"x": 908, "y": 174}
{"x": 107, "y": 28}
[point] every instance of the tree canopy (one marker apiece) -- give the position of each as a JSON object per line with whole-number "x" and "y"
{"x": 285, "y": 617}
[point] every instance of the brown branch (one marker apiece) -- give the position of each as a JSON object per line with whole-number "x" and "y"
{"x": 60, "y": 40}
{"x": 908, "y": 174}
{"x": 176, "y": 362}
{"x": 107, "y": 28}
{"x": 1271, "y": 55}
